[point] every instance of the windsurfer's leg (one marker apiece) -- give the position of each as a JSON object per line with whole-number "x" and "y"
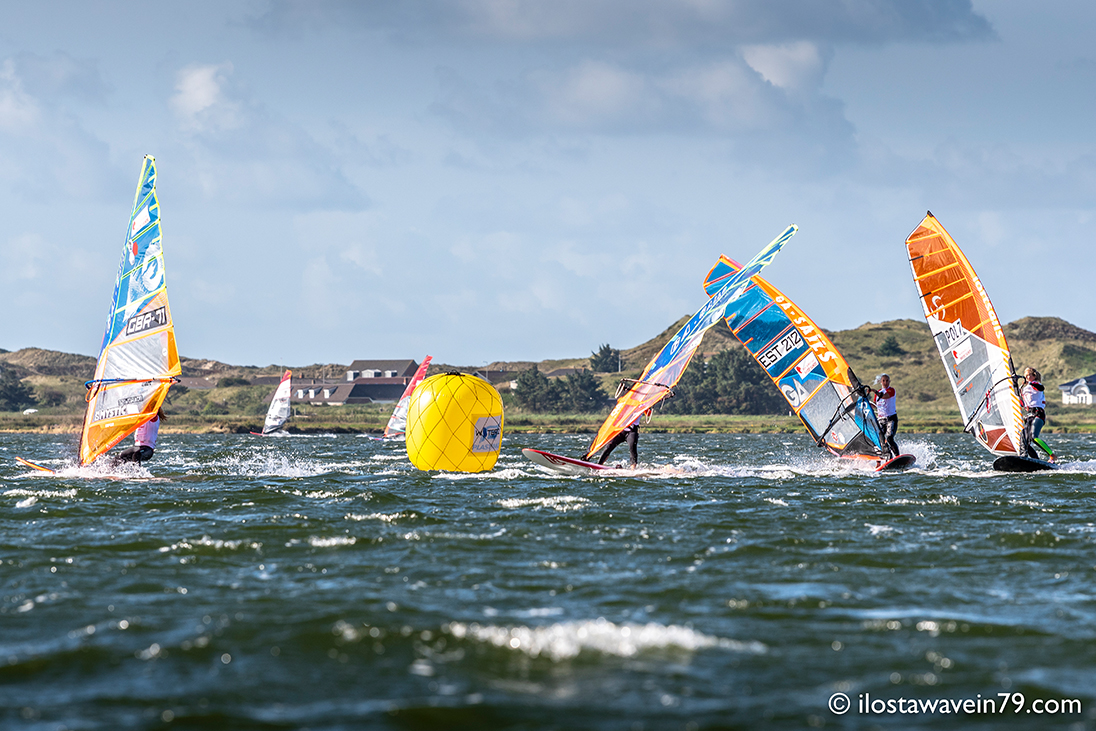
{"x": 613, "y": 444}
{"x": 891, "y": 429}
{"x": 1029, "y": 437}
{"x": 135, "y": 454}
{"x": 1036, "y": 429}
{"x": 633, "y": 446}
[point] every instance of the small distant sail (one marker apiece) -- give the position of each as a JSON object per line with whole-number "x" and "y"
{"x": 810, "y": 372}
{"x": 278, "y": 413}
{"x": 969, "y": 337}
{"x": 138, "y": 360}
{"x": 665, "y": 369}
{"x": 397, "y": 423}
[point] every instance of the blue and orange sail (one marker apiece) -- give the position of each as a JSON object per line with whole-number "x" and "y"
{"x": 665, "y": 369}
{"x": 138, "y": 360}
{"x": 803, "y": 362}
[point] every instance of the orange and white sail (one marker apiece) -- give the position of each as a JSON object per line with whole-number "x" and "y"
{"x": 138, "y": 360}
{"x": 969, "y": 337}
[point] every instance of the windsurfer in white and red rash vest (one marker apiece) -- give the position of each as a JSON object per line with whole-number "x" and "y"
{"x": 144, "y": 440}
{"x": 887, "y": 413}
{"x": 1035, "y": 414}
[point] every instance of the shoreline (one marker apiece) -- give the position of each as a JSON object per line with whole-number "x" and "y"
{"x": 523, "y": 424}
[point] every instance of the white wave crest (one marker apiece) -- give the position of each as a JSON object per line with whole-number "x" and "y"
{"x": 562, "y": 503}
{"x": 566, "y": 640}
{"x": 330, "y": 542}
{"x": 506, "y": 474}
{"x": 215, "y": 543}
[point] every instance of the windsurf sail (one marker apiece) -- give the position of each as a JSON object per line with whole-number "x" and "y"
{"x": 803, "y": 362}
{"x": 397, "y": 423}
{"x": 138, "y": 360}
{"x": 969, "y": 337}
{"x": 665, "y": 369}
{"x": 278, "y": 413}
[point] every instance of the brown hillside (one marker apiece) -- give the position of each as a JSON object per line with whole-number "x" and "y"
{"x": 51, "y": 362}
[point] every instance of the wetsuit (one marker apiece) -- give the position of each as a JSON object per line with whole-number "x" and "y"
{"x": 887, "y": 414}
{"x": 145, "y": 442}
{"x": 630, "y": 435}
{"x": 1035, "y": 416}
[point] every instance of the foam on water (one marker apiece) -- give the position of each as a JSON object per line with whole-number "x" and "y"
{"x": 331, "y": 541}
{"x": 562, "y": 503}
{"x": 505, "y": 474}
{"x": 565, "y": 640}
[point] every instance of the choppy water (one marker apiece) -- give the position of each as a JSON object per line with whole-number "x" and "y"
{"x": 324, "y": 583}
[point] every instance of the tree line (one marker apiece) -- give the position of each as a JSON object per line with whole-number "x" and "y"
{"x": 729, "y": 382}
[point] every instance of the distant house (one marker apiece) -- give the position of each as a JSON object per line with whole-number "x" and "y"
{"x": 1079, "y": 391}
{"x": 366, "y": 382}
{"x": 381, "y": 369}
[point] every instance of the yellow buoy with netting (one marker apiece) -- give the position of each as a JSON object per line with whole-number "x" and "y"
{"x": 454, "y": 423}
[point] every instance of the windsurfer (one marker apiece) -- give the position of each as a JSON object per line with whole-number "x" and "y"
{"x": 1035, "y": 415}
{"x": 145, "y": 440}
{"x": 887, "y": 414}
{"x": 630, "y": 435}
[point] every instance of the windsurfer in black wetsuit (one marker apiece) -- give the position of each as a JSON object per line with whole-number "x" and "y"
{"x": 145, "y": 438}
{"x": 629, "y": 434}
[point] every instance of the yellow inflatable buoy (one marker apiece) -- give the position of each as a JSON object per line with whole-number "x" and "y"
{"x": 454, "y": 423}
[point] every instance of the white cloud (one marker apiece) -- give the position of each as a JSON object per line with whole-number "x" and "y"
{"x": 18, "y": 111}
{"x": 794, "y": 66}
{"x": 200, "y": 101}
{"x": 244, "y": 152}
{"x": 640, "y": 24}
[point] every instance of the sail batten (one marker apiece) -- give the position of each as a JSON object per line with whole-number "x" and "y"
{"x": 969, "y": 337}
{"x": 665, "y": 369}
{"x": 138, "y": 360}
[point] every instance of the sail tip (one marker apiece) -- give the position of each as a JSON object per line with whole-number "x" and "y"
{"x": 929, "y": 213}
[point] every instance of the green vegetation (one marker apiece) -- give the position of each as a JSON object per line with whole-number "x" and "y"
{"x": 605, "y": 360}
{"x": 578, "y": 393}
{"x": 723, "y": 389}
{"x": 14, "y": 394}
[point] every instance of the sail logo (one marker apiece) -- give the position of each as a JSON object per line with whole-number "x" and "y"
{"x": 147, "y": 321}
{"x": 787, "y": 344}
{"x": 488, "y": 434}
{"x": 962, "y": 351}
{"x": 954, "y": 333}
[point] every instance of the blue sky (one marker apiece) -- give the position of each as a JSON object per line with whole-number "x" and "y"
{"x": 486, "y": 180}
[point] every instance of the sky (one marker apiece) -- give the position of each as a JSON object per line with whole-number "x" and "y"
{"x": 486, "y": 180}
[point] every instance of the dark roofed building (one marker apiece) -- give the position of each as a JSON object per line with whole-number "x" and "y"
{"x": 1079, "y": 391}
{"x": 366, "y": 382}
{"x": 381, "y": 369}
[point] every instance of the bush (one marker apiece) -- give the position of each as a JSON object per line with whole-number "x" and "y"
{"x": 49, "y": 397}
{"x": 214, "y": 409}
{"x": 605, "y": 360}
{"x": 889, "y": 346}
{"x": 14, "y": 394}
{"x": 230, "y": 381}
{"x": 577, "y": 393}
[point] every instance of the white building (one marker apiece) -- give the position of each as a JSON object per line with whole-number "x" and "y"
{"x": 1079, "y": 391}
